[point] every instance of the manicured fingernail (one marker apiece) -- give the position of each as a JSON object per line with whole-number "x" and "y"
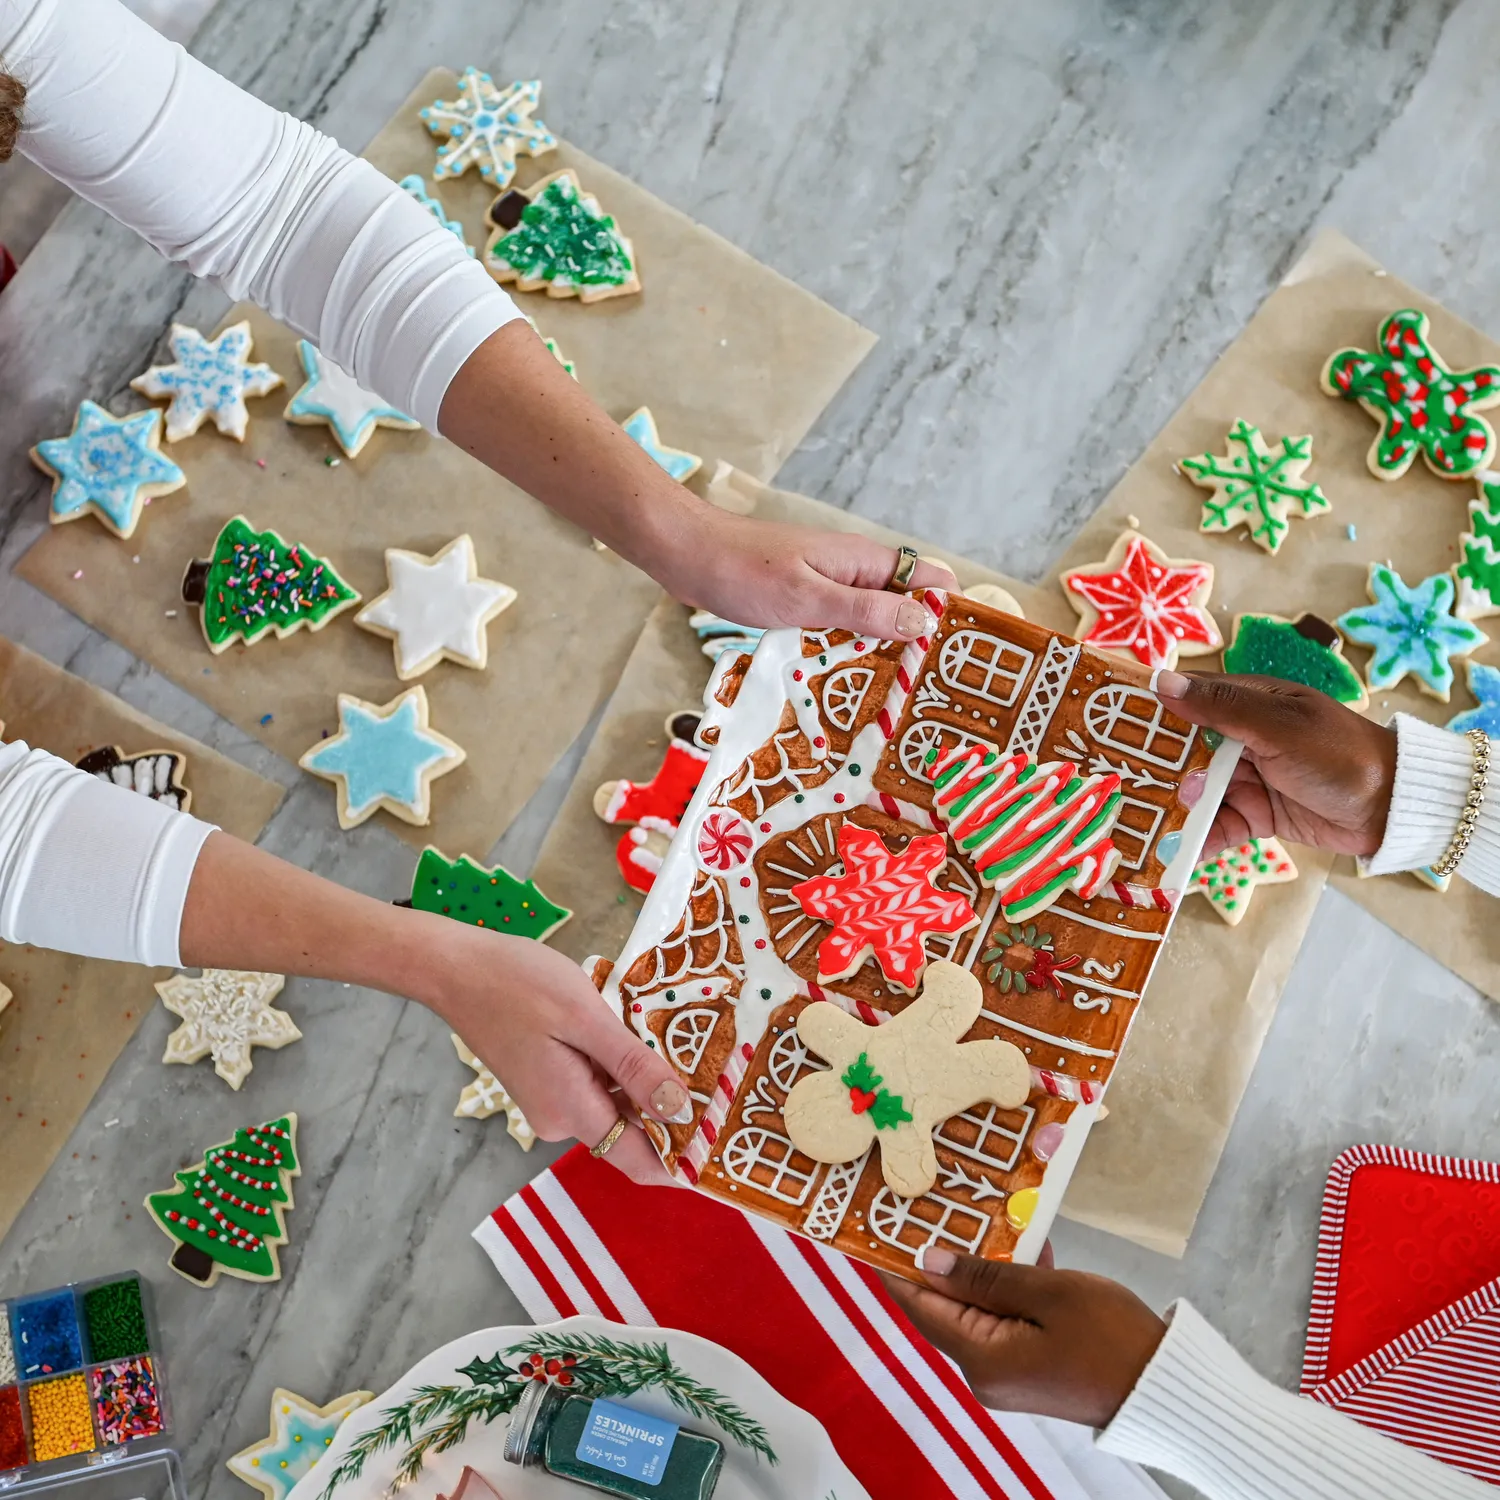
{"x": 1170, "y": 684}
{"x": 913, "y": 620}
{"x": 671, "y": 1103}
{"x": 933, "y": 1260}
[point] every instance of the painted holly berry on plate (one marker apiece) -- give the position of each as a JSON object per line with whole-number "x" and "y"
{"x": 1026, "y": 960}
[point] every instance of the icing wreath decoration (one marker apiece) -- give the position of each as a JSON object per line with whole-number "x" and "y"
{"x": 1421, "y": 405}
{"x": 1255, "y": 487}
{"x": 909, "y": 1075}
{"x": 1028, "y": 962}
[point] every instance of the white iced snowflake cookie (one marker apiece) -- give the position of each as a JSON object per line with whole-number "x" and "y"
{"x": 486, "y": 1096}
{"x": 225, "y": 1012}
{"x": 436, "y": 608}
{"x": 209, "y": 378}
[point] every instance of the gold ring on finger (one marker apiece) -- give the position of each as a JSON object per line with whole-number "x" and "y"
{"x": 609, "y": 1142}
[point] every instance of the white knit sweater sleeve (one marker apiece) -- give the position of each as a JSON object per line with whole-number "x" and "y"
{"x": 1201, "y": 1413}
{"x": 1433, "y": 771}
{"x": 246, "y": 195}
{"x": 89, "y": 867}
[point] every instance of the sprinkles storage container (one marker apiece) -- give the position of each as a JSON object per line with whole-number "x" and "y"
{"x": 81, "y": 1382}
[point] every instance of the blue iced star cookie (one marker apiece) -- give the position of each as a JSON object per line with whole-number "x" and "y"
{"x": 383, "y": 757}
{"x": 413, "y": 184}
{"x": 300, "y": 1435}
{"x": 1411, "y": 631}
{"x": 109, "y": 466}
{"x": 211, "y": 378}
{"x": 329, "y": 395}
{"x": 641, "y": 426}
{"x": 1484, "y": 683}
{"x": 486, "y": 126}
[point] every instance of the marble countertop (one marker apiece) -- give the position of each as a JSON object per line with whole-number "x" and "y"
{"x": 1055, "y": 217}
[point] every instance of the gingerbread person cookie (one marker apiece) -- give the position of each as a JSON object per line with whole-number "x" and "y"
{"x": 896, "y": 1083}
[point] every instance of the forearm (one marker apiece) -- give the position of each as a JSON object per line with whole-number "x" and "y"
{"x": 1201, "y": 1413}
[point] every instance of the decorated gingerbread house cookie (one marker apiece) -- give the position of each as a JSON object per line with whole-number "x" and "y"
{"x": 996, "y": 796}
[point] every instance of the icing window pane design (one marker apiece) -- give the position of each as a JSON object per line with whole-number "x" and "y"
{"x": 843, "y": 693}
{"x": 983, "y": 1135}
{"x": 789, "y": 1060}
{"x": 907, "y": 1223}
{"x": 1135, "y": 831}
{"x": 921, "y": 738}
{"x": 985, "y": 666}
{"x": 686, "y": 1038}
{"x": 1132, "y": 720}
{"x": 957, "y": 879}
{"x": 768, "y": 1161}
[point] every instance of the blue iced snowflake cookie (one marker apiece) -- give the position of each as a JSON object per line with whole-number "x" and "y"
{"x": 486, "y": 126}
{"x": 414, "y": 186}
{"x": 1484, "y": 683}
{"x": 210, "y": 378}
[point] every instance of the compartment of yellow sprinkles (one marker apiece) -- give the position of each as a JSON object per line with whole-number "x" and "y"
{"x": 60, "y": 1420}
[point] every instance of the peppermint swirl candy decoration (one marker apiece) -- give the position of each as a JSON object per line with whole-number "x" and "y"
{"x": 724, "y": 841}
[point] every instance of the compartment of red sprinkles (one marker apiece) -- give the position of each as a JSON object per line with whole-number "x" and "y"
{"x": 12, "y": 1431}
{"x": 127, "y": 1400}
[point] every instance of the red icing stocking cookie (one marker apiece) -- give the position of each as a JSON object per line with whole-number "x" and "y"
{"x": 1142, "y": 603}
{"x": 896, "y": 1083}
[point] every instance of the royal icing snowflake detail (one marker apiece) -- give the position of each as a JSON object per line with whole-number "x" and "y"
{"x": 640, "y": 428}
{"x": 415, "y": 187}
{"x": 1484, "y": 684}
{"x": 1410, "y": 631}
{"x": 1421, "y": 405}
{"x": 1254, "y": 486}
{"x": 1230, "y": 878}
{"x": 436, "y": 608}
{"x": 486, "y": 126}
{"x": 884, "y": 904}
{"x": 487, "y": 1096}
{"x": 329, "y": 396}
{"x": 724, "y": 841}
{"x": 1142, "y": 603}
{"x": 384, "y": 756}
{"x": 225, "y": 1012}
{"x": 209, "y": 379}
{"x": 110, "y": 466}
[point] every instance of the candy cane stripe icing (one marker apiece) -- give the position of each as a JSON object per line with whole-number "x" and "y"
{"x": 1031, "y": 831}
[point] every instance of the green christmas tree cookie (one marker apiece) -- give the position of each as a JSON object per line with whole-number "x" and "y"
{"x": 257, "y": 581}
{"x": 226, "y": 1213}
{"x": 1478, "y": 574}
{"x": 556, "y": 238}
{"x": 492, "y": 898}
{"x": 1307, "y": 650}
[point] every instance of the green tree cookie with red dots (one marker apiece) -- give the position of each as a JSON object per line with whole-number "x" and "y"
{"x": 482, "y": 897}
{"x": 1421, "y": 405}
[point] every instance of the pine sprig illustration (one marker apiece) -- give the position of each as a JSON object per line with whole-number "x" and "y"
{"x": 860, "y": 1075}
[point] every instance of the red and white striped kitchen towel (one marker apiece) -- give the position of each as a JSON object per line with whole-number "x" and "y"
{"x": 1404, "y": 1334}
{"x": 816, "y": 1325}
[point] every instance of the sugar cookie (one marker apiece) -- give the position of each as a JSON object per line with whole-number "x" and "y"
{"x": 1255, "y": 487}
{"x": 330, "y": 397}
{"x": 486, "y": 126}
{"x": 209, "y": 379}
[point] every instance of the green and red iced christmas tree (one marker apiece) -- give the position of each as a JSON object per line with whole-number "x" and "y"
{"x": 491, "y": 898}
{"x": 226, "y": 1213}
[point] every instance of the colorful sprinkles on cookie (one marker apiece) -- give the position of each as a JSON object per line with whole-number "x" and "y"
{"x": 211, "y": 378}
{"x": 109, "y": 466}
{"x": 1254, "y": 486}
{"x": 486, "y": 126}
{"x": 330, "y": 396}
{"x": 1421, "y": 405}
{"x": 640, "y": 428}
{"x": 556, "y": 237}
{"x": 1307, "y": 650}
{"x": 1230, "y": 878}
{"x": 484, "y": 896}
{"x": 414, "y": 185}
{"x": 1144, "y": 604}
{"x": 1411, "y": 631}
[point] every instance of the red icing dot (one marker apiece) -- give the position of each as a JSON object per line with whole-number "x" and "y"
{"x": 708, "y": 989}
{"x": 765, "y": 827}
{"x": 819, "y": 742}
{"x": 797, "y": 675}
{"x": 636, "y": 1007}
{"x": 838, "y": 796}
{"x": 760, "y": 942}
{"x": 859, "y": 645}
{"x": 744, "y": 880}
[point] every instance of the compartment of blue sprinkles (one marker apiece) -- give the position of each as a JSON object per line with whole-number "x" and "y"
{"x": 46, "y": 1335}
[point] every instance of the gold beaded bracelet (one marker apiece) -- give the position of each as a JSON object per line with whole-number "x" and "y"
{"x": 1478, "y": 784}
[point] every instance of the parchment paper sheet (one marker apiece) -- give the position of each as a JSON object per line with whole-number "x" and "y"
{"x": 1197, "y": 1034}
{"x": 1333, "y": 298}
{"x": 735, "y": 362}
{"x": 71, "y": 1017}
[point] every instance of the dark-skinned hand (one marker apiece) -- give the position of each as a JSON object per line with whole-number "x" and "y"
{"x": 1313, "y": 772}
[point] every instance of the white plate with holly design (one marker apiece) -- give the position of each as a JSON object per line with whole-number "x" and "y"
{"x": 772, "y": 1449}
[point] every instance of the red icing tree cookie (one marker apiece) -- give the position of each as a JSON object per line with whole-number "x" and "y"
{"x": 1144, "y": 604}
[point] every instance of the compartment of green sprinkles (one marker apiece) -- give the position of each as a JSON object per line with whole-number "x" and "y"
{"x": 114, "y": 1317}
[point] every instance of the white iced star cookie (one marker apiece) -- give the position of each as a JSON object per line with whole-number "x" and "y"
{"x": 211, "y": 378}
{"x": 486, "y": 1096}
{"x": 384, "y": 756}
{"x": 436, "y": 608}
{"x": 300, "y": 1435}
{"x": 225, "y": 1012}
{"x": 110, "y": 466}
{"x": 329, "y": 396}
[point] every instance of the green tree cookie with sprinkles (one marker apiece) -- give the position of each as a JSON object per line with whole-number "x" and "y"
{"x": 1307, "y": 650}
{"x": 556, "y": 238}
{"x": 1411, "y": 631}
{"x": 257, "y": 581}
{"x": 491, "y": 898}
{"x": 226, "y": 1213}
{"x": 1420, "y": 404}
{"x": 1478, "y": 571}
{"x": 1254, "y": 486}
